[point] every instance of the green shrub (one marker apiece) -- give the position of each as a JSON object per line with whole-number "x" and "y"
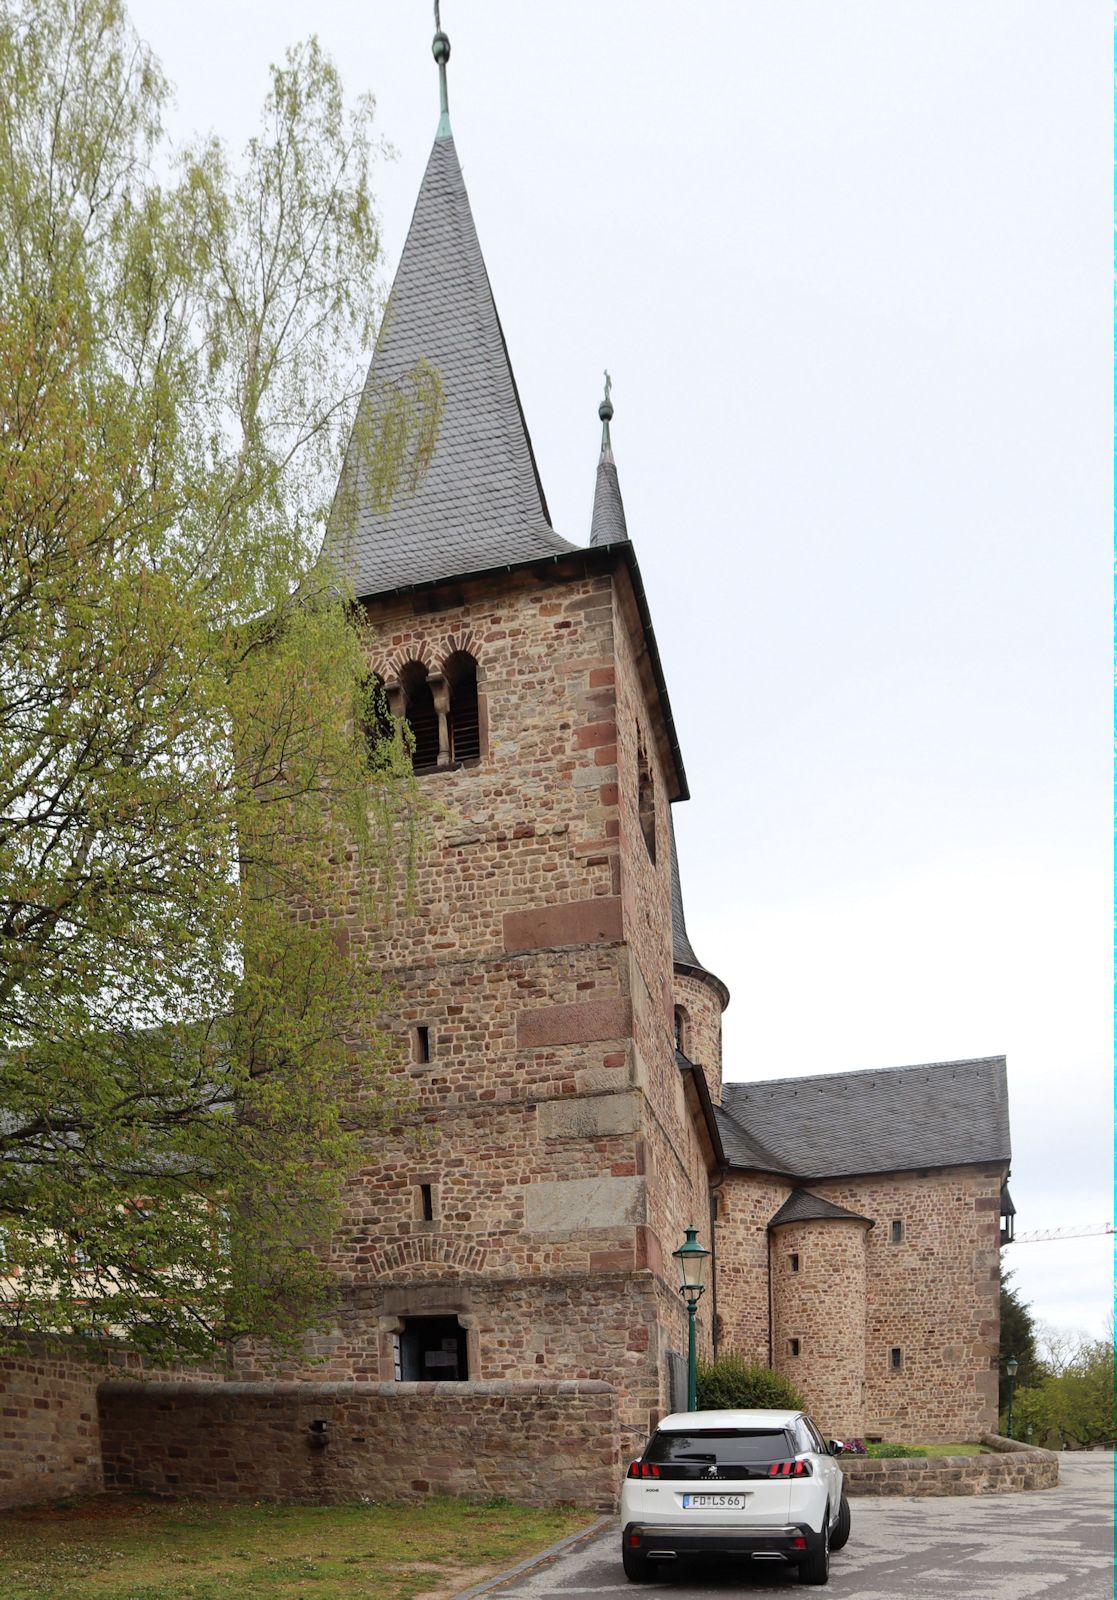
{"x": 893, "y": 1452}
{"x": 733, "y": 1384}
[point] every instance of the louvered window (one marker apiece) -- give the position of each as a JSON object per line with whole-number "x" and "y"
{"x": 465, "y": 721}
{"x": 422, "y": 718}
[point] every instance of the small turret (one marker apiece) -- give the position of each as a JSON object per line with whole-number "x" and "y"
{"x": 608, "y": 525}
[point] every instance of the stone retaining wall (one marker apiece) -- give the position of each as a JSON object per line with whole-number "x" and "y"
{"x": 48, "y": 1424}
{"x": 533, "y": 1442}
{"x": 1015, "y": 1467}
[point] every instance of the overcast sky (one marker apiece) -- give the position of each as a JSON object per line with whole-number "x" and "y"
{"x": 848, "y": 264}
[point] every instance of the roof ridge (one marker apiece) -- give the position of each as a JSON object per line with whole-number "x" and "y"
{"x": 856, "y": 1072}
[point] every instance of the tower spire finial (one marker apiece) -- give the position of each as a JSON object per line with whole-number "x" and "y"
{"x": 441, "y": 49}
{"x": 608, "y": 525}
{"x": 605, "y": 412}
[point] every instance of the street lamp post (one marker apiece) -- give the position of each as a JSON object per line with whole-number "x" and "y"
{"x": 1011, "y": 1366}
{"x": 690, "y": 1255}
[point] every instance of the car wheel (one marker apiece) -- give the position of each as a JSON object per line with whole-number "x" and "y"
{"x": 841, "y": 1528}
{"x": 637, "y": 1568}
{"x": 816, "y": 1568}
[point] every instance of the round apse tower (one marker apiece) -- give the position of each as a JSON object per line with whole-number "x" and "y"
{"x": 817, "y": 1254}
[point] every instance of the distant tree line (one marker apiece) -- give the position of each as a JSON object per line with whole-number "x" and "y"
{"x": 1064, "y": 1396}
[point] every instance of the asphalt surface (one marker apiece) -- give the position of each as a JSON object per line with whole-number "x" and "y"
{"x": 1002, "y": 1547}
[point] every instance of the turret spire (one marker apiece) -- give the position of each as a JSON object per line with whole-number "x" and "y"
{"x": 608, "y": 525}
{"x": 441, "y": 49}
{"x": 605, "y": 412}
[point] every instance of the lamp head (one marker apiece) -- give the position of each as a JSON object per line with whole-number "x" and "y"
{"x": 691, "y": 1257}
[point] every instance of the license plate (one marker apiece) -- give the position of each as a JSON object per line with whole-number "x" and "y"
{"x": 713, "y": 1502}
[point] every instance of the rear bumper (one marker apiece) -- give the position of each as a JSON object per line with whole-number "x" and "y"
{"x": 794, "y": 1541}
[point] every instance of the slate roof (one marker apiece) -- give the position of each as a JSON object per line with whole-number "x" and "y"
{"x": 607, "y": 525}
{"x": 802, "y": 1206}
{"x": 683, "y": 950}
{"x": 480, "y": 504}
{"x": 741, "y": 1149}
{"x": 940, "y": 1114}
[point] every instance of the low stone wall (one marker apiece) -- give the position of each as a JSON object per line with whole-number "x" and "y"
{"x": 48, "y": 1424}
{"x": 1014, "y": 1468}
{"x": 537, "y": 1443}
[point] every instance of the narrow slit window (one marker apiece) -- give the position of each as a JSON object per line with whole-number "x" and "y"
{"x": 682, "y": 1032}
{"x": 426, "y": 1202}
{"x": 645, "y": 799}
{"x": 793, "y": 1347}
{"x": 897, "y": 1234}
{"x": 793, "y": 1261}
{"x": 421, "y": 1044}
{"x": 895, "y": 1358}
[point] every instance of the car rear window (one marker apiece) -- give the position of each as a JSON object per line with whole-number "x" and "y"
{"x": 723, "y": 1446}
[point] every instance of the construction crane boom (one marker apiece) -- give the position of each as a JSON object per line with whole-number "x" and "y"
{"x": 1091, "y": 1231}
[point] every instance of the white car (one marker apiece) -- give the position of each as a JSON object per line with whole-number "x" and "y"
{"x": 761, "y": 1484}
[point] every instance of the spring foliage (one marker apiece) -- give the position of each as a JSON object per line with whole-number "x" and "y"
{"x": 732, "y": 1383}
{"x": 189, "y": 1060}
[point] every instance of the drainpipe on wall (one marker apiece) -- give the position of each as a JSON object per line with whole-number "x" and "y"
{"x": 771, "y": 1315}
{"x": 714, "y": 1187}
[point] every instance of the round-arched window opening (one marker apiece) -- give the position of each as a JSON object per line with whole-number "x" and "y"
{"x": 460, "y": 671}
{"x": 682, "y": 1031}
{"x": 421, "y": 716}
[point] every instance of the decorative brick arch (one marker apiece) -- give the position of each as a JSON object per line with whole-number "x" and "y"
{"x": 416, "y": 654}
{"x": 464, "y": 643}
{"x": 426, "y": 1256}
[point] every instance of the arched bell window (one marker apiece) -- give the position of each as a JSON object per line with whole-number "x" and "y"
{"x": 422, "y": 718}
{"x": 463, "y": 717}
{"x": 442, "y": 709}
{"x": 376, "y": 721}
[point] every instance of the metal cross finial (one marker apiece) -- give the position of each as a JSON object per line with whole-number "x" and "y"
{"x": 605, "y": 412}
{"x": 441, "y": 49}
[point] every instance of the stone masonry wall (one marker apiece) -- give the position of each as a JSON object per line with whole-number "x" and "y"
{"x": 935, "y": 1296}
{"x": 1019, "y": 1468}
{"x": 819, "y": 1318}
{"x": 672, "y": 1154}
{"x": 49, "y": 1444}
{"x": 747, "y": 1202}
{"x": 537, "y": 1443}
{"x": 536, "y": 955}
{"x": 703, "y": 1010}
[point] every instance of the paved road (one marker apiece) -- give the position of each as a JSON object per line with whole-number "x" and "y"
{"x": 1055, "y": 1542}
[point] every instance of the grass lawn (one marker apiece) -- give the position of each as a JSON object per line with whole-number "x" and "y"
{"x": 135, "y": 1549}
{"x": 955, "y": 1450}
{"x": 940, "y": 1450}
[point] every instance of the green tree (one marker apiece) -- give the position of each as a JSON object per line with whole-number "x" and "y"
{"x": 1018, "y": 1338}
{"x": 187, "y": 788}
{"x": 732, "y": 1382}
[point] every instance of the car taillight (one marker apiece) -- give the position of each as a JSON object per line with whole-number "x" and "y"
{"x": 643, "y": 1469}
{"x": 790, "y": 1469}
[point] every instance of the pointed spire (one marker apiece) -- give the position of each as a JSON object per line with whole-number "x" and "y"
{"x": 608, "y": 525}
{"x": 480, "y": 503}
{"x": 441, "y": 49}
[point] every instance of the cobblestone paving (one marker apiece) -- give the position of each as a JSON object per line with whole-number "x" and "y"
{"x": 1056, "y": 1542}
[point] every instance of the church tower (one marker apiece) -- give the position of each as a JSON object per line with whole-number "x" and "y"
{"x": 547, "y": 992}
